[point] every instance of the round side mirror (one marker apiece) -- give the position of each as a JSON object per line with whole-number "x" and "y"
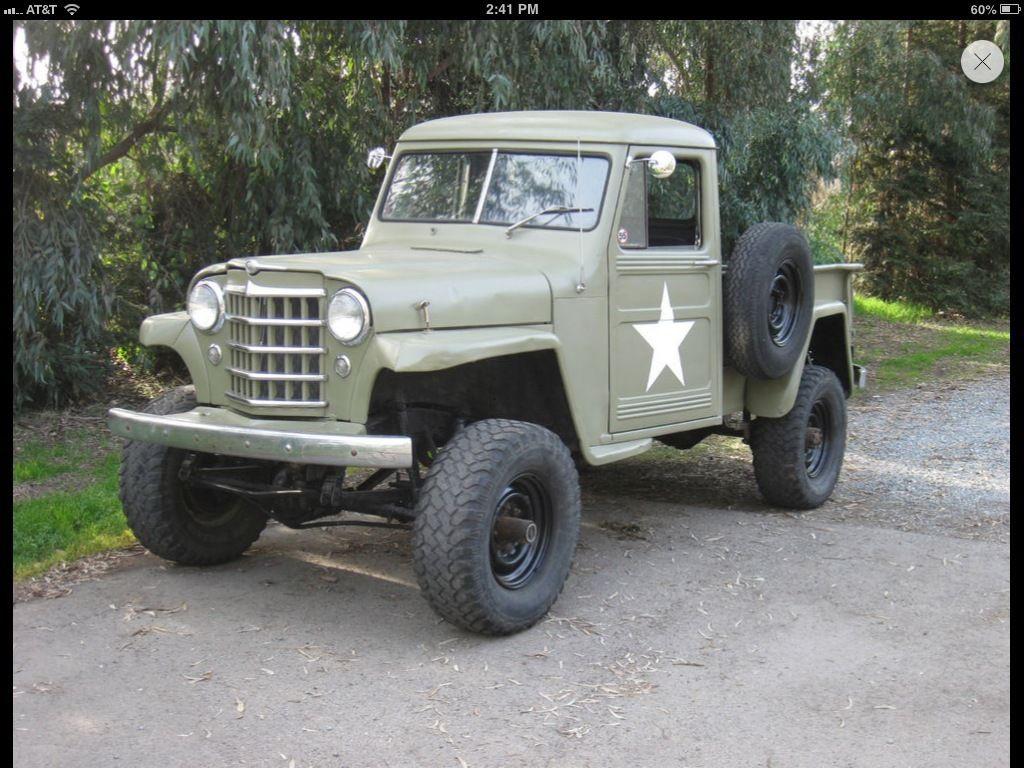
{"x": 375, "y": 158}
{"x": 662, "y": 164}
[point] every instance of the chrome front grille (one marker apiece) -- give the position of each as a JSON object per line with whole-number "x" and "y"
{"x": 276, "y": 342}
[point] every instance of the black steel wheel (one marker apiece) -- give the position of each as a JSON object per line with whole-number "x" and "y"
{"x": 206, "y": 508}
{"x": 521, "y": 531}
{"x": 497, "y": 520}
{"x": 785, "y": 305}
{"x": 819, "y": 442}
{"x": 797, "y": 458}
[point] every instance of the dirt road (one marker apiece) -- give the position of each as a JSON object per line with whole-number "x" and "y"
{"x": 699, "y": 628}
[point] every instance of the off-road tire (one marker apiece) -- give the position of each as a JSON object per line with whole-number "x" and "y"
{"x": 780, "y": 446}
{"x": 456, "y": 508}
{"x": 760, "y": 255}
{"x": 154, "y": 501}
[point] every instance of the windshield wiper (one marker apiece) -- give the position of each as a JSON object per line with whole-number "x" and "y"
{"x": 559, "y": 209}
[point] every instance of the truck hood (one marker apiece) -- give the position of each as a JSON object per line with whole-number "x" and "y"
{"x": 464, "y": 288}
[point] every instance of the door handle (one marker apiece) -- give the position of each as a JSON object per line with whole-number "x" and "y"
{"x": 702, "y": 263}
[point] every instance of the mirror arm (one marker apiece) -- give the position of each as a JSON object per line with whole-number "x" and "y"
{"x": 661, "y": 163}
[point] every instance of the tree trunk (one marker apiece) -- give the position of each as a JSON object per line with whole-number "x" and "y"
{"x": 709, "y": 69}
{"x": 148, "y": 125}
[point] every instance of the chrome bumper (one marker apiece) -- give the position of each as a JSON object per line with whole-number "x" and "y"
{"x": 216, "y": 430}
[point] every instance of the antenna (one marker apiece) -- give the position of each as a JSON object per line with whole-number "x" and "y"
{"x": 580, "y": 285}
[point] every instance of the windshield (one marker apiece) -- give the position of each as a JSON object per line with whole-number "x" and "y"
{"x": 447, "y": 186}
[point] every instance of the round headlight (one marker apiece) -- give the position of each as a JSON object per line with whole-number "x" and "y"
{"x": 206, "y": 306}
{"x": 348, "y": 316}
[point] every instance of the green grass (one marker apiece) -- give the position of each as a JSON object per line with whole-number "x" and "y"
{"x": 67, "y": 525}
{"x": 37, "y": 461}
{"x": 904, "y": 344}
{"x": 891, "y": 311}
{"x": 957, "y": 346}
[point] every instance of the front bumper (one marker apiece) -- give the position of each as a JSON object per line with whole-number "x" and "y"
{"x": 217, "y": 430}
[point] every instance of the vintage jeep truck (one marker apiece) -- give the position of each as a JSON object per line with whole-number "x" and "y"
{"x": 535, "y": 291}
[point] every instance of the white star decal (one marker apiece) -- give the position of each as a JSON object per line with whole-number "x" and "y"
{"x": 665, "y": 336}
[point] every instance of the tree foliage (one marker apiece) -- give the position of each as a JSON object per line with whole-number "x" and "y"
{"x": 155, "y": 148}
{"x": 144, "y": 140}
{"x": 736, "y": 80}
{"x": 927, "y": 179}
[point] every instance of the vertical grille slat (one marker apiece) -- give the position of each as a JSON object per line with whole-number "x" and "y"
{"x": 289, "y": 375}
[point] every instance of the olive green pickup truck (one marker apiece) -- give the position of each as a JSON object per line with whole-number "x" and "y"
{"x": 535, "y": 291}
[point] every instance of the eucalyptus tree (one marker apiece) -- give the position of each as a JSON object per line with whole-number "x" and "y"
{"x": 736, "y": 79}
{"x": 927, "y": 184}
{"x": 142, "y": 139}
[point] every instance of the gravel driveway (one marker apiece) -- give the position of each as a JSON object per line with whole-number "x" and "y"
{"x": 699, "y": 628}
{"x": 932, "y": 458}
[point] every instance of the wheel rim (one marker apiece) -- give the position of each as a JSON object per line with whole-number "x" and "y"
{"x": 207, "y": 508}
{"x": 514, "y": 562}
{"x": 818, "y": 441}
{"x": 784, "y": 304}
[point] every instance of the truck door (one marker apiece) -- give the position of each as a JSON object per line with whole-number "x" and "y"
{"x": 664, "y": 301}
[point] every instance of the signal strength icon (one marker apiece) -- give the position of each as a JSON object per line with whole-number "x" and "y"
{"x": 72, "y": 9}
{"x": 10, "y": 11}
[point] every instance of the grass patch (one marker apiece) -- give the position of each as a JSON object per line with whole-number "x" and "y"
{"x": 903, "y": 344}
{"x": 41, "y": 458}
{"x": 891, "y": 311}
{"x": 69, "y": 525}
{"x": 36, "y": 460}
{"x": 954, "y": 351}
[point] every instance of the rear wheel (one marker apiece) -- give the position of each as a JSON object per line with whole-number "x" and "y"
{"x": 172, "y": 519}
{"x": 797, "y": 458}
{"x": 496, "y": 527}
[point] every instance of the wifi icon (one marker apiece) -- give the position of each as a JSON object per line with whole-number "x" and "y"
{"x": 72, "y": 9}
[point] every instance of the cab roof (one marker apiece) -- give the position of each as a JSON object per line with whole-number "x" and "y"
{"x": 557, "y": 125}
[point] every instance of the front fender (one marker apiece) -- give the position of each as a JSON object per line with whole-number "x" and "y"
{"x": 174, "y": 331}
{"x": 435, "y": 350}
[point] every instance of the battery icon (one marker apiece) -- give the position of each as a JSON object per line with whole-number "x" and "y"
{"x": 1009, "y": 8}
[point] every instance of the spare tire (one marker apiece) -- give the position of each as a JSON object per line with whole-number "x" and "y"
{"x": 768, "y": 298}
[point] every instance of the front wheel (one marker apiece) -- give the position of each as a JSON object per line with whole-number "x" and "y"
{"x": 172, "y": 520}
{"x": 797, "y": 458}
{"x": 497, "y": 523}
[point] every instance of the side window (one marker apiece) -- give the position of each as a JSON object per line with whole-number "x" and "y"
{"x": 673, "y": 206}
{"x": 661, "y": 212}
